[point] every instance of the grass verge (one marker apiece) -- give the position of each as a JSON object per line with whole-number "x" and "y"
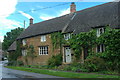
{"x": 62, "y": 74}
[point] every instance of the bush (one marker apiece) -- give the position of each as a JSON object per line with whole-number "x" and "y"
{"x": 67, "y": 68}
{"x": 20, "y": 63}
{"x": 12, "y": 63}
{"x": 75, "y": 67}
{"x": 15, "y": 63}
{"x": 93, "y": 64}
{"x": 55, "y": 60}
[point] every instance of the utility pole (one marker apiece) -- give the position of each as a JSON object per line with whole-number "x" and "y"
{"x": 24, "y": 24}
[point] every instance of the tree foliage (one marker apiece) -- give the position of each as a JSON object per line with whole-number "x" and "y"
{"x": 10, "y": 37}
{"x": 15, "y": 54}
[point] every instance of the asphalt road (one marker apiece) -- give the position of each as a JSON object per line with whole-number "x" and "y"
{"x": 10, "y": 73}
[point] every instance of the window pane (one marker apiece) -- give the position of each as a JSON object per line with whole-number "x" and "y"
{"x": 43, "y": 50}
{"x": 43, "y": 38}
{"x": 67, "y": 36}
{"x": 98, "y": 48}
{"x": 102, "y": 47}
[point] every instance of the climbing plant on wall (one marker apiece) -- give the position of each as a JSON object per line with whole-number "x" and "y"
{"x": 57, "y": 40}
{"x": 111, "y": 40}
{"x": 29, "y": 53}
{"x": 81, "y": 41}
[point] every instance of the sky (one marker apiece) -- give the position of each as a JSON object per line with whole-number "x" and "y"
{"x": 13, "y": 13}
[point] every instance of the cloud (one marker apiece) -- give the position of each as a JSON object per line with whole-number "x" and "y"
{"x": 46, "y": 17}
{"x": 7, "y": 7}
{"x": 62, "y": 12}
{"x": 9, "y": 24}
{"x": 25, "y": 14}
{"x": 1, "y": 38}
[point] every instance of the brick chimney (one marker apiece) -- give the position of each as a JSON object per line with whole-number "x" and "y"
{"x": 31, "y": 21}
{"x": 72, "y": 7}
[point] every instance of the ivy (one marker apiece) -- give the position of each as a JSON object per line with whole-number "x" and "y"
{"x": 81, "y": 41}
{"x": 57, "y": 40}
{"x": 111, "y": 40}
{"x": 30, "y": 53}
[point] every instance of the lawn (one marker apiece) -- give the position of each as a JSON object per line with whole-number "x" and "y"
{"x": 62, "y": 73}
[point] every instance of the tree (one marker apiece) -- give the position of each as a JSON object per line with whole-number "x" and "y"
{"x": 10, "y": 37}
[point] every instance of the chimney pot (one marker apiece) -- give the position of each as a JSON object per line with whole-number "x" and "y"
{"x": 72, "y": 7}
{"x": 31, "y": 21}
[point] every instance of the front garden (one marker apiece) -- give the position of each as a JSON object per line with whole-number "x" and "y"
{"x": 107, "y": 62}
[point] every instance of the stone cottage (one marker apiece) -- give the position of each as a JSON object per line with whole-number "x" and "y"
{"x": 39, "y": 34}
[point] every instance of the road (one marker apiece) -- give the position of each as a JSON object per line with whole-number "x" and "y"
{"x": 10, "y": 73}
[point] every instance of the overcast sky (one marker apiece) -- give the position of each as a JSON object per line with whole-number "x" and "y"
{"x": 13, "y": 12}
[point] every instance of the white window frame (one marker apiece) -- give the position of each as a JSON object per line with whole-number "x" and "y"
{"x": 24, "y": 52}
{"x": 67, "y": 36}
{"x": 43, "y": 50}
{"x": 100, "y": 31}
{"x": 24, "y": 42}
{"x": 102, "y": 48}
{"x": 43, "y": 38}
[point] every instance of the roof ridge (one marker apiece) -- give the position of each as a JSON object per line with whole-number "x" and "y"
{"x": 54, "y": 18}
{"x": 72, "y": 13}
{"x": 93, "y": 7}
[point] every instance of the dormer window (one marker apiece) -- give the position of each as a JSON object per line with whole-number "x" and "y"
{"x": 43, "y": 38}
{"x": 100, "y": 31}
{"x": 24, "y": 42}
{"x": 67, "y": 36}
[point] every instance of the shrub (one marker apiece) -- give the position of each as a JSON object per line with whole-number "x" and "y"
{"x": 75, "y": 67}
{"x": 93, "y": 64}
{"x": 20, "y": 63}
{"x": 67, "y": 68}
{"x": 55, "y": 60}
{"x": 12, "y": 63}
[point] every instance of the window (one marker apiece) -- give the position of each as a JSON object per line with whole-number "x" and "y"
{"x": 100, "y": 31}
{"x": 43, "y": 50}
{"x": 24, "y": 42}
{"x": 101, "y": 48}
{"x": 67, "y": 36}
{"x": 43, "y": 38}
{"x": 24, "y": 52}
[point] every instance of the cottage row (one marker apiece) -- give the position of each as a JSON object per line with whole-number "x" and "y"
{"x": 39, "y": 34}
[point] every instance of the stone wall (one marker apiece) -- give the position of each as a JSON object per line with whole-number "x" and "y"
{"x": 36, "y": 42}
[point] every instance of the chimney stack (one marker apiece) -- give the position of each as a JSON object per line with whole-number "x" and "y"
{"x": 31, "y": 21}
{"x": 72, "y": 7}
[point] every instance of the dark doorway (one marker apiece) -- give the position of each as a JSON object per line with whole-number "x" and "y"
{"x": 85, "y": 53}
